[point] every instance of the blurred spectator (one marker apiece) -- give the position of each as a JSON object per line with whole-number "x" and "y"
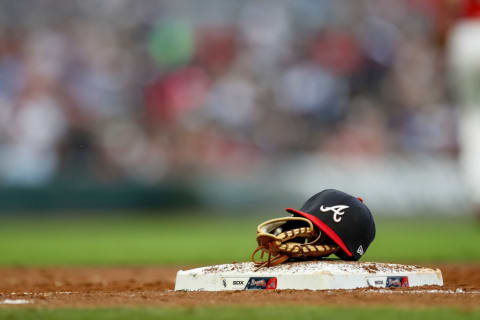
{"x": 118, "y": 90}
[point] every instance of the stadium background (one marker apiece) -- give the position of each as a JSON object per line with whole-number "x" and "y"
{"x": 229, "y": 102}
{"x": 135, "y": 115}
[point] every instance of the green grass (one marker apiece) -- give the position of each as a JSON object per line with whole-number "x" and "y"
{"x": 251, "y": 313}
{"x": 191, "y": 240}
{"x": 448, "y": 240}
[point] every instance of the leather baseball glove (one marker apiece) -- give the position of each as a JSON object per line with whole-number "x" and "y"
{"x": 290, "y": 237}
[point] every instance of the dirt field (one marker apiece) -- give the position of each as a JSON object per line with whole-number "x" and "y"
{"x": 92, "y": 287}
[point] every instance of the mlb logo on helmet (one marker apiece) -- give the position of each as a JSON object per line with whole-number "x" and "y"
{"x": 343, "y": 218}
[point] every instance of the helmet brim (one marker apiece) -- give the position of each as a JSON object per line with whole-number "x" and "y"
{"x": 324, "y": 228}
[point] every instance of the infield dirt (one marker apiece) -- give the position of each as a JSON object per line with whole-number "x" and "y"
{"x": 152, "y": 286}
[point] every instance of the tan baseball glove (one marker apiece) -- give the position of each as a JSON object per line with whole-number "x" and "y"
{"x": 290, "y": 237}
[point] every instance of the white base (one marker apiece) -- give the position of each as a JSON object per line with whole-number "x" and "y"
{"x": 308, "y": 275}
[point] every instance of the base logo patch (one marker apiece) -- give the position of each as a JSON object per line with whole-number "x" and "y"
{"x": 234, "y": 283}
{"x": 397, "y": 282}
{"x": 388, "y": 282}
{"x": 261, "y": 283}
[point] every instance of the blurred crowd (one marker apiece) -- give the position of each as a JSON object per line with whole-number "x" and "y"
{"x": 115, "y": 90}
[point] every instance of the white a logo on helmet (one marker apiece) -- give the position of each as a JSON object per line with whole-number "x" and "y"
{"x": 337, "y": 211}
{"x": 360, "y": 250}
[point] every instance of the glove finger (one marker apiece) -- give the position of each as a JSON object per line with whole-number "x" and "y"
{"x": 297, "y": 250}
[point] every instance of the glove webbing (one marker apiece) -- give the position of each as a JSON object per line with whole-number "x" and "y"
{"x": 280, "y": 251}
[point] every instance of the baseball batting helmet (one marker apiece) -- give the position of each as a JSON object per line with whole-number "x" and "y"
{"x": 345, "y": 219}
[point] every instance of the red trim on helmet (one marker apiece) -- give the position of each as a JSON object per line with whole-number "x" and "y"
{"x": 319, "y": 223}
